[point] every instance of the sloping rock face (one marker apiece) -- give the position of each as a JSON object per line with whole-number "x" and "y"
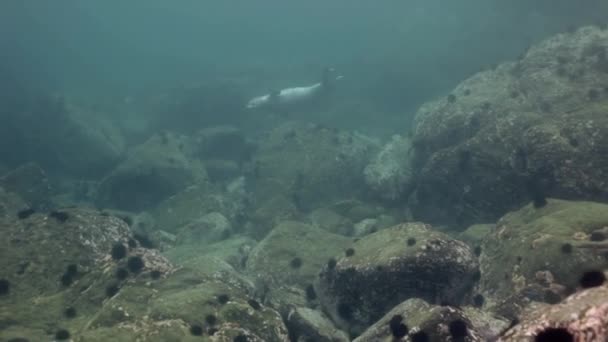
{"x": 539, "y": 254}
{"x": 420, "y": 321}
{"x": 29, "y": 181}
{"x": 385, "y": 268}
{"x": 582, "y": 317}
{"x": 293, "y": 253}
{"x": 80, "y": 272}
{"x": 310, "y": 166}
{"x": 389, "y": 174}
{"x": 537, "y": 124}
{"x": 61, "y": 137}
{"x": 151, "y": 173}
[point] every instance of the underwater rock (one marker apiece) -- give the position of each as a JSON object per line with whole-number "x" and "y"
{"x": 269, "y": 213}
{"x": 389, "y": 174}
{"x": 310, "y": 325}
{"x": 204, "y": 297}
{"x": 151, "y": 173}
{"x": 539, "y": 254}
{"x": 220, "y": 170}
{"x": 415, "y": 317}
{"x": 234, "y": 251}
{"x": 223, "y": 143}
{"x": 313, "y": 166}
{"x": 197, "y": 200}
{"x": 529, "y": 119}
{"x": 210, "y": 228}
{"x": 10, "y": 206}
{"x": 581, "y": 317}
{"x": 186, "y": 109}
{"x": 275, "y": 259}
{"x": 331, "y": 221}
{"x": 136, "y": 295}
{"x": 383, "y": 269}
{"x": 49, "y": 264}
{"x": 29, "y": 181}
{"x": 61, "y": 137}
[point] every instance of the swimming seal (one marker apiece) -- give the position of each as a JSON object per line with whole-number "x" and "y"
{"x": 296, "y": 96}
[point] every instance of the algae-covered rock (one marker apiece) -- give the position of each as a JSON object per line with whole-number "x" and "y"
{"x": 312, "y": 165}
{"x": 293, "y": 253}
{"x": 10, "y": 205}
{"x": 389, "y": 174}
{"x": 152, "y": 172}
{"x": 534, "y": 125}
{"x": 223, "y": 143}
{"x": 30, "y": 182}
{"x": 196, "y": 201}
{"x": 331, "y": 221}
{"x": 234, "y": 251}
{"x": 540, "y": 253}
{"x": 207, "y": 229}
{"x": 383, "y": 269}
{"x": 310, "y": 325}
{"x": 54, "y": 261}
{"x": 61, "y": 137}
{"x": 475, "y": 234}
{"x": 81, "y": 271}
{"x": 415, "y": 318}
{"x": 581, "y": 317}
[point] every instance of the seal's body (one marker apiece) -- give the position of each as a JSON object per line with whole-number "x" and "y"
{"x": 295, "y": 96}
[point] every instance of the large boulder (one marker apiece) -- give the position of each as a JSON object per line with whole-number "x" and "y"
{"x": 389, "y": 174}
{"x": 533, "y": 127}
{"x": 293, "y": 253}
{"x": 582, "y": 317}
{"x": 198, "y": 200}
{"x": 225, "y": 151}
{"x": 152, "y": 172}
{"x": 63, "y": 138}
{"x": 82, "y": 272}
{"x": 390, "y": 266}
{"x": 539, "y": 254}
{"x": 310, "y": 165}
{"x": 415, "y": 318}
{"x": 30, "y": 182}
{"x": 306, "y": 324}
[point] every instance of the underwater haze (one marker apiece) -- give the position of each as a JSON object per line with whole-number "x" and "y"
{"x": 297, "y": 171}
{"x": 395, "y": 52}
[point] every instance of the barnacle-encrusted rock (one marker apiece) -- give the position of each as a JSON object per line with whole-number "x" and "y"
{"x": 420, "y": 317}
{"x": 65, "y": 259}
{"x": 541, "y": 117}
{"x": 310, "y": 325}
{"x": 383, "y": 269}
{"x": 581, "y": 317}
{"x": 389, "y": 174}
{"x": 293, "y": 253}
{"x": 540, "y": 253}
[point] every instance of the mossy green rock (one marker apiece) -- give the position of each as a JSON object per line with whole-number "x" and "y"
{"x": 418, "y": 315}
{"x": 311, "y": 165}
{"x": 385, "y": 268}
{"x": 541, "y": 116}
{"x": 293, "y": 253}
{"x": 194, "y": 202}
{"x": 541, "y": 252}
{"x": 152, "y": 172}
